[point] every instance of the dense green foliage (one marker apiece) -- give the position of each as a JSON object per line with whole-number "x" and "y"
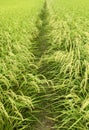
{"x": 44, "y": 65}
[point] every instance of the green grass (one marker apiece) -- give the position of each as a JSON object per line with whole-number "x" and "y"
{"x": 44, "y": 65}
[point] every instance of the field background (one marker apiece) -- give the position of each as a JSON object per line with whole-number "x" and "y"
{"x": 44, "y": 65}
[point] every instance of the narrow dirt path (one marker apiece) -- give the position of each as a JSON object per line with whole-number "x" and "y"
{"x": 46, "y": 123}
{"x": 41, "y": 42}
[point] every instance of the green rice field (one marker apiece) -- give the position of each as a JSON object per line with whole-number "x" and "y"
{"x": 44, "y": 65}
